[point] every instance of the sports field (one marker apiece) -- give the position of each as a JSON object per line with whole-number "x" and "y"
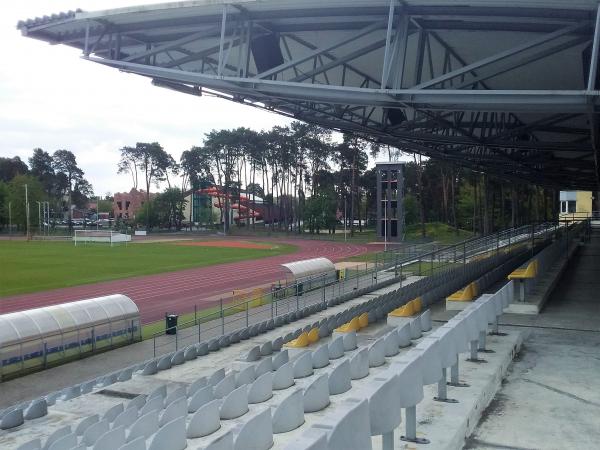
{"x": 34, "y": 266}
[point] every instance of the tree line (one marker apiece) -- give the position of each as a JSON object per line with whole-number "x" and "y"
{"x": 310, "y": 178}
{"x": 314, "y": 181}
{"x": 54, "y": 178}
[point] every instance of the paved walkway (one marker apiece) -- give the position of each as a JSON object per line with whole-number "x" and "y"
{"x": 551, "y": 397}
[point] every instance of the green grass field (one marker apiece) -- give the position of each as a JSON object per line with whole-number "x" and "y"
{"x": 41, "y": 265}
{"x": 438, "y": 232}
{"x": 435, "y": 232}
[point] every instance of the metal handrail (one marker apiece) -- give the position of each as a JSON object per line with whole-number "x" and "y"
{"x": 272, "y": 306}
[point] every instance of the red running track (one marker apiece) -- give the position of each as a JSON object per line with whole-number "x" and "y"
{"x": 179, "y": 291}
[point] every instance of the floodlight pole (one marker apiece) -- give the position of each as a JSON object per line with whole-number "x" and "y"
{"x": 385, "y": 227}
{"x": 47, "y": 218}
{"x": 27, "y": 209}
{"x": 39, "y": 217}
{"x": 345, "y": 220}
{"x": 10, "y": 218}
{"x": 44, "y": 222}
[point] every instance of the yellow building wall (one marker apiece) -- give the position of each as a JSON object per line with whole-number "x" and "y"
{"x": 584, "y": 205}
{"x": 584, "y": 201}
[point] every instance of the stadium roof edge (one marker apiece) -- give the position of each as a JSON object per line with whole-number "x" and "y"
{"x": 495, "y": 85}
{"x": 79, "y": 14}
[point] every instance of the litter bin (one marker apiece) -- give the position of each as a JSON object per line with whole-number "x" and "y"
{"x": 171, "y": 323}
{"x": 299, "y": 289}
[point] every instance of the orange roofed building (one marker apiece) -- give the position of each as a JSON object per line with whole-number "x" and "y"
{"x": 127, "y": 204}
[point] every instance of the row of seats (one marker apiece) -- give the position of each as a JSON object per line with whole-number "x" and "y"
{"x": 427, "y": 289}
{"x": 17, "y": 414}
{"x": 474, "y": 288}
{"x": 124, "y": 424}
{"x": 377, "y": 409}
{"x": 529, "y": 272}
{"x": 173, "y": 420}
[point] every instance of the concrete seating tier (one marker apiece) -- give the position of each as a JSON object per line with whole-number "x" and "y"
{"x": 238, "y": 409}
{"x": 537, "y": 276}
{"x": 348, "y": 360}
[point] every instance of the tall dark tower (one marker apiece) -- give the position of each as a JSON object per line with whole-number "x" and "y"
{"x": 390, "y": 195}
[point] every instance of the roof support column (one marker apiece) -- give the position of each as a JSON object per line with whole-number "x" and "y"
{"x": 388, "y": 41}
{"x": 591, "y": 86}
{"x": 86, "y": 42}
{"x": 400, "y": 50}
{"x": 248, "y": 49}
{"x": 594, "y": 57}
{"x": 222, "y": 41}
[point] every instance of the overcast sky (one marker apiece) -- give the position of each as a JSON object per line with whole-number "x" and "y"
{"x": 52, "y": 99}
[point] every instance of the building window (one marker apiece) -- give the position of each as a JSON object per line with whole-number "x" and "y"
{"x": 568, "y": 206}
{"x": 119, "y": 205}
{"x": 127, "y": 203}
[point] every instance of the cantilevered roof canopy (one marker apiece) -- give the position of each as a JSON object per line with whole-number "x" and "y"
{"x": 23, "y": 326}
{"x": 504, "y": 86}
{"x": 310, "y": 267}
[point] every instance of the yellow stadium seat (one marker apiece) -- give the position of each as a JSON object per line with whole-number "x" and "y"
{"x": 300, "y": 342}
{"x": 403, "y": 311}
{"x": 313, "y": 336}
{"x": 417, "y": 304}
{"x": 528, "y": 272}
{"x": 363, "y": 320}
{"x": 467, "y": 294}
{"x": 353, "y": 325}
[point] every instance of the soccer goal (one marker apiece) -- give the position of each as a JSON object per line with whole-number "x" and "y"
{"x": 101, "y": 236}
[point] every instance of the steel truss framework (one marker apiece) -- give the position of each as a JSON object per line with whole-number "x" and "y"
{"x": 509, "y": 90}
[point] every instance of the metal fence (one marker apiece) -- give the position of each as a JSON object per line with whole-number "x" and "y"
{"x": 226, "y": 315}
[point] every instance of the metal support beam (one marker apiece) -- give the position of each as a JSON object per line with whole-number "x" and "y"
{"x": 87, "y": 39}
{"x": 359, "y": 34}
{"x": 503, "y": 55}
{"x": 388, "y": 42}
{"x": 222, "y": 40}
{"x": 512, "y": 65}
{"x": 400, "y": 50}
{"x": 339, "y": 61}
{"x": 347, "y": 67}
{"x": 594, "y": 57}
{"x": 172, "y": 45}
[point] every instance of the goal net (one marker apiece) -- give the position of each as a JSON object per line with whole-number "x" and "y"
{"x": 106, "y": 237}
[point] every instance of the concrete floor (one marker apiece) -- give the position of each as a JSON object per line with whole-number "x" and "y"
{"x": 550, "y": 398}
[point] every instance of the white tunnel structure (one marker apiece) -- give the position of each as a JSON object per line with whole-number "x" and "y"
{"x": 310, "y": 268}
{"x": 66, "y": 330}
